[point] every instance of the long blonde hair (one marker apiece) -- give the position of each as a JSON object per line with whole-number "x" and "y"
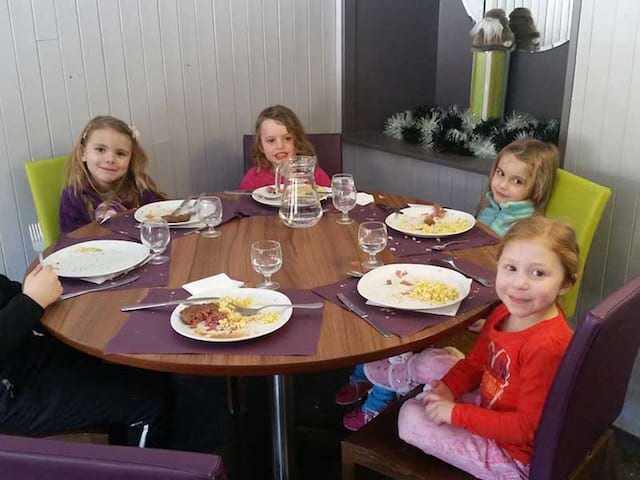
{"x": 542, "y": 159}
{"x": 133, "y": 183}
{"x": 558, "y": 237}
{"x": 290, "y": 120}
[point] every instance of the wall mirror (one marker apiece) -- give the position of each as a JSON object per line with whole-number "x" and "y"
{"x": 551, "y": 18}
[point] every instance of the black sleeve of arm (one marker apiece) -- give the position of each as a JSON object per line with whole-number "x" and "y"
{"x": 18, "y": 316}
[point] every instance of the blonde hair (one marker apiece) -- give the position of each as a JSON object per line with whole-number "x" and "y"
{"x": 290, "y": 120}
{"x": 133, "y": 183}
{"x": 542, "y": 159}
{"x": 558, "y": 237}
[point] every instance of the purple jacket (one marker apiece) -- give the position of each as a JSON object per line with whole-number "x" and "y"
{"x": 73, "y": 211}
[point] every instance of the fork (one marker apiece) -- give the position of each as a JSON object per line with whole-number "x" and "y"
{"x": 481, "y": 280}
{"x": 37, "y": 240}
{"x": 441, "y": 246}
{"x": 247, "y": 311}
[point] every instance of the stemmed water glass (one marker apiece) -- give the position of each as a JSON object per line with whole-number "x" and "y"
{"x": 266, "y": 258}
{"x": 372, "y": 237}
{"x": 210, "y": 212}
{"x": 155, "y": 235}
{"x": 344, "y": 193}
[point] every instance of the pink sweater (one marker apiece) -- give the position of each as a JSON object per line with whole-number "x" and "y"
{"x": 256, "y": 178}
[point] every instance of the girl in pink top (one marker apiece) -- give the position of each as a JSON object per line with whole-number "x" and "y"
{"x": 279, "y": 135}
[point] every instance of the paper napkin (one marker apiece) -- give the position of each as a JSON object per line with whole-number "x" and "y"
{"x": 207, "y": 284}
{"x": 364, "y": 198}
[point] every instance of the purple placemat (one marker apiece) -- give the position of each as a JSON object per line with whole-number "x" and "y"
{"x": 248, "y": 207}
{"x": 406, "y": 322}
{"x": 403, "y": 245}
{"x": 149, "y": 331}
{"x": 150, "y": 275}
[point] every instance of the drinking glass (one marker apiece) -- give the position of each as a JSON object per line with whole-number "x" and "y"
{"x": 154, "y": 234}
{"x": 210, "y": 212}
{"x": 344, "y": 193}
{"x": 372, "y": 237}
{"x": 266, "y": 258}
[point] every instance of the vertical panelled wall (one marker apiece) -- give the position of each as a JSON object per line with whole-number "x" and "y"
{"x": 602, "y": 144}
{"x": 191, "y": 75}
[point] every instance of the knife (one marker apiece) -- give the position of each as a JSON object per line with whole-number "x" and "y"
{"x": 238, "y": 192}
{"x": 105, "y": 286}
{"x": 361, "y": 313}
{"x": 142, "y": 306}
{"x": 182, "y": 205}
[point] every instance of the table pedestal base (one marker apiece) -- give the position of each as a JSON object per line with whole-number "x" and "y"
{"x": 281, "y": 427}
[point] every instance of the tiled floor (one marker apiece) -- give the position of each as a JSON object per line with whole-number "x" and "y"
{"x": 319, "y": 432}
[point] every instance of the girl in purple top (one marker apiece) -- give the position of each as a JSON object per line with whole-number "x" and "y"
{"x": 106, "y": 173}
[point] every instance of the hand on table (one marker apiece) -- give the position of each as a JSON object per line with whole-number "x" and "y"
{"x": 42, "y": 285}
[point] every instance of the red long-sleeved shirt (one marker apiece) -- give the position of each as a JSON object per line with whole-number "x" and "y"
{"x": 515, "y": 371}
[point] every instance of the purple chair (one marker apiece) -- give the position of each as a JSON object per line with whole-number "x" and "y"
{"x": 23, "y": 458}
{"x": 328, "y": 148}
{"x": 573, "y": 439}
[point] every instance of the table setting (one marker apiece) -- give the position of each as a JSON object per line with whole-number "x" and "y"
{"x": 295, "y": 331}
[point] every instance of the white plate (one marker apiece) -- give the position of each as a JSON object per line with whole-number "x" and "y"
{"x": 165, "y": 207}
{"x": 373, "y": 285}
{"x": 413, "y": 215}
{"x": 258, "y": 297}
{"x": 96, "y": 258}
{"x": 262, "y": 195}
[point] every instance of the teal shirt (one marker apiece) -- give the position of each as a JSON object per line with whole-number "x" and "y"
{"x": 500, "y": 218}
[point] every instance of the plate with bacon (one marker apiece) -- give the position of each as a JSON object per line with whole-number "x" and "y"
{"x": 219, "y": 321}
{"x": 430, "y": 221}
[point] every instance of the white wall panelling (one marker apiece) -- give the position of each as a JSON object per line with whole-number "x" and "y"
{"x": 192, "y": 76}
{"x": 602, "y": 144}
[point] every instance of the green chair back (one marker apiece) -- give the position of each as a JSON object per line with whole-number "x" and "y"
{"x": 580, "y": 203}
{"x": 46, "y": 180}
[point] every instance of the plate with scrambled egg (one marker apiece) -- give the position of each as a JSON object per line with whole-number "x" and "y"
{"x": 163, "y": 208}
{"x": 429, "y": 221}
{"x": 268, "y": 195}
{"x": 219, "y": 321}
{"x": 96, "y": 258}
{"x": 409, "y": 286}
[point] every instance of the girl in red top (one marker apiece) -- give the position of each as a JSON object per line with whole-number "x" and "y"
{"x": 279, "y": 135}
{"x": 482, "y": 416}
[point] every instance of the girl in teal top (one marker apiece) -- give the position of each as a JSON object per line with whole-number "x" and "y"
{"x": 520, "y": 183}
{"x": 519, "y": 186}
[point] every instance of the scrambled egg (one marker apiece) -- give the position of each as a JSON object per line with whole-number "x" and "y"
{"x": 234, "y": 321}
{"x": 441, "y": 226}
{"x": 89, "y": 250}
{"x": 433, "y": 292}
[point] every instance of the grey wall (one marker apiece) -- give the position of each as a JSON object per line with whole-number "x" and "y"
{"x": 192, "y": 76}
{"x": 389, "y": 59}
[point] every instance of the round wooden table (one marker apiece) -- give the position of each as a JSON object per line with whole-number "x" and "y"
{"x": 312, "y": 257}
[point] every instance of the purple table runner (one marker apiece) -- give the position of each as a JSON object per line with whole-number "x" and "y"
{"x": 150, "y": 275}
{"x": 403, "y": 245}
{"x": 149, "y": 331}
{"x": 406, "y": 322}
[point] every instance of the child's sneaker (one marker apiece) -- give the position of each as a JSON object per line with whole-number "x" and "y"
{"x": 358, "y": 418}
{"x": 352, "y": 392}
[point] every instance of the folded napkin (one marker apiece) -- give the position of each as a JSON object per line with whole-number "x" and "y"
{"x": 449, "y": 310}
{"x": 206, "y": 285}
{"x": 363, "y": 199}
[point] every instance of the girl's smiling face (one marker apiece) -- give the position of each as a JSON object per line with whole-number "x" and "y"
{"x": 276, "y": 141}
{"x": 107, "y": 154}
{"x": 530, "y": 278}
{"x": 512, "y": 181}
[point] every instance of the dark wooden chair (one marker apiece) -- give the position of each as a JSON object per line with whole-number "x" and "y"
{"x": 574, "y": 439}
{"x": 328, "y": 148}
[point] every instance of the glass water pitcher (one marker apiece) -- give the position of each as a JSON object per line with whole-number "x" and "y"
{"x": 300, "y": 204}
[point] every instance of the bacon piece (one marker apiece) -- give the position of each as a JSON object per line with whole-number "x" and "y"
{"x": 207, "y": 312}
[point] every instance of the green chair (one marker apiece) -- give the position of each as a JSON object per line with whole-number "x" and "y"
{"x": 580, "y": 203}
{"x": 46, "y": 180}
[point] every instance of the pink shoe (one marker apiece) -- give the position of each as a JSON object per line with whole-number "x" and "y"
{"x": 352, "y": 392}
{"x": 358, "y": 418}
